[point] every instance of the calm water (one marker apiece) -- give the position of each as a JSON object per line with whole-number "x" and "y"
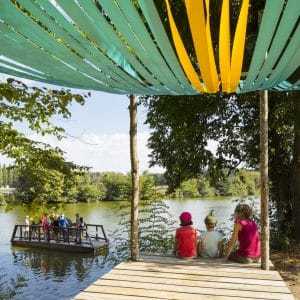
{"x": 40, "y": 274}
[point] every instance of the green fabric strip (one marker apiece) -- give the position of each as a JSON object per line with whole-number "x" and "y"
{"x": 153, "y": 19}
{"x": 131, "y": 36}
{"x": 286, "y": 25}
{"x": 138, "y": 27}
{"x": 59, "y": 32}
{"x": 108, "y": 39}
{"x": 10, "y": 14}
{"x": 20, "y": 74}
{"x": 90, "y": 28}
{"x": 19, "y": 49}
{"x": 78, "y": 44}
{"x": 267, "y": 27}
{"x": 288, "y": 63}
{"x": 26, "y": 27}
{"x": 21, "y": 68}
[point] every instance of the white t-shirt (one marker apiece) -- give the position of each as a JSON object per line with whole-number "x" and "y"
{"x": 210, "y": 241}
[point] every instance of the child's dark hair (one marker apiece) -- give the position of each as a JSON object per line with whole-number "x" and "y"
{"x": 244, "y": 210}
{"x": 186, "y": 224}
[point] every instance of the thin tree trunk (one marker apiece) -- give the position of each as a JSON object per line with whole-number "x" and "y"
{"x": 135, "y": 180}
{"x": 296, "y": 179}
{"x": 264, "y": 160}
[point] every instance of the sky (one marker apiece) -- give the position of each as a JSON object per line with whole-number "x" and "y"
{"x": 97, "y": 134}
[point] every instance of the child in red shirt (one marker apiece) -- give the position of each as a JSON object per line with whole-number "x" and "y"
{"x": 186, "y": 237}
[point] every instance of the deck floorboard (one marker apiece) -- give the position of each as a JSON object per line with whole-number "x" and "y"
{"x": 171, "y": 278}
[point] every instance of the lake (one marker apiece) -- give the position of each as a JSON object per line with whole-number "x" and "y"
{"x": 40, "y": 274}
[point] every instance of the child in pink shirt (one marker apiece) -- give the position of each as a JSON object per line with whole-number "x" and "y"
{"x": 246, "y": 233}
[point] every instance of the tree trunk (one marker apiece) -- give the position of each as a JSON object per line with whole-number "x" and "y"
{"x": 264, "y": 160}
{"x": 296, "y": 179}
{"x": 135, "y": 180}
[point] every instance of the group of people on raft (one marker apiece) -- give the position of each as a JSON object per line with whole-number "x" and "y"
{"x": 53, "y": 226}
{"x": 242, "y": 247}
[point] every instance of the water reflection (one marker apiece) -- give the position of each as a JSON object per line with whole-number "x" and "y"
{"x": 59, "y": 265}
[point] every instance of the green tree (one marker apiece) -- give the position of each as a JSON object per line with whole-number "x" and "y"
{"x": 42, "y": 178}
{"x": 189, "y": 188}
{"x": 148, "y": 188}
{"x": 204, "y": 187}
{"x": 87, "y": 190}
{"x": 118, "y": 186}
{"x": 43, "y": 168}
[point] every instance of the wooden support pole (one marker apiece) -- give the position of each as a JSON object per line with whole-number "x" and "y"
{"x": 264, "y": 175}
{"x": 135, "y": 180}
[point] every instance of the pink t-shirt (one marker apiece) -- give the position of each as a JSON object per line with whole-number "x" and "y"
{"x": 249, "y": 239}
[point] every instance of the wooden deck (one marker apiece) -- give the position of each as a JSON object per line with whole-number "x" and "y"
{"x": 155, "y": 278}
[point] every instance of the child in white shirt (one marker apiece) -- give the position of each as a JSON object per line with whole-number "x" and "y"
{"x": 211, "y": 243}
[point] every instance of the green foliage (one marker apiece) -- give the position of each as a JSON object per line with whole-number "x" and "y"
{"x": 43, "y": 173}
{"x": 147, "y": 186}
{"x": 181, "y": 132}
{"x": 204, "y": 187}
{"x": 188, "y": 189}
{"x": 118, "y": 186}
{"x": 42, "y": 178}
{"x": 156, "y": 229}
{"x": 87, "y": 190}
{"x": 240, "y": 183}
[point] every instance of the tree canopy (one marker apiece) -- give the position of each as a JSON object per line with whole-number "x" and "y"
{"x": 43, "y": 168}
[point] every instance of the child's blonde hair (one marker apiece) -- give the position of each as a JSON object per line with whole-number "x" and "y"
{"x": 210, "y": 219}
{"x": 244, "y": 211}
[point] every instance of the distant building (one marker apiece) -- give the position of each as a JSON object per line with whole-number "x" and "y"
{"x": 7, "y": 190}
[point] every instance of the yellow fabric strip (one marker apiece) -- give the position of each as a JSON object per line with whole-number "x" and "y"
{"x": 182, "y": 53}
{"x": 238, "y": 47}
{"x": 224, "y": 46}
{"x": 203, "y": 43}
{"x": 215, "y": 77}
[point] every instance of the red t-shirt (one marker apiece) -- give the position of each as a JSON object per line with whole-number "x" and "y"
{"x": 186, "y": 240}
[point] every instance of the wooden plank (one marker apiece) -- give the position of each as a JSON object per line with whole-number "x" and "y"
{"x": 102, "y": 296}
{"x": 193, "y": 283}
{"x": 216, "y": 262}
{"x": 195, "y": 271}
{"x": 189, "y": 289}
{"x": 163, "y": 294}
{"x": 241, "y": 268}
{"x": 199, "y": 277}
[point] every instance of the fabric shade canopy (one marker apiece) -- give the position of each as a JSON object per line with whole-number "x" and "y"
{"x": 121, "y": 46}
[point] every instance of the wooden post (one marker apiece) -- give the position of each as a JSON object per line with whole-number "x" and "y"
{"x": 134, "y": 238}
{"x": 264, "y": 175}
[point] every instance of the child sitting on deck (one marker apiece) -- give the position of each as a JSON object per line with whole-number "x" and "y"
{"x": 246, "y": 233}
{"x": 186, "y": 237}
{"x": 211, "y": 242}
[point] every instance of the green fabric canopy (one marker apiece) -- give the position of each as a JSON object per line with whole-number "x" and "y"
{"x": 120, "y": 46}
